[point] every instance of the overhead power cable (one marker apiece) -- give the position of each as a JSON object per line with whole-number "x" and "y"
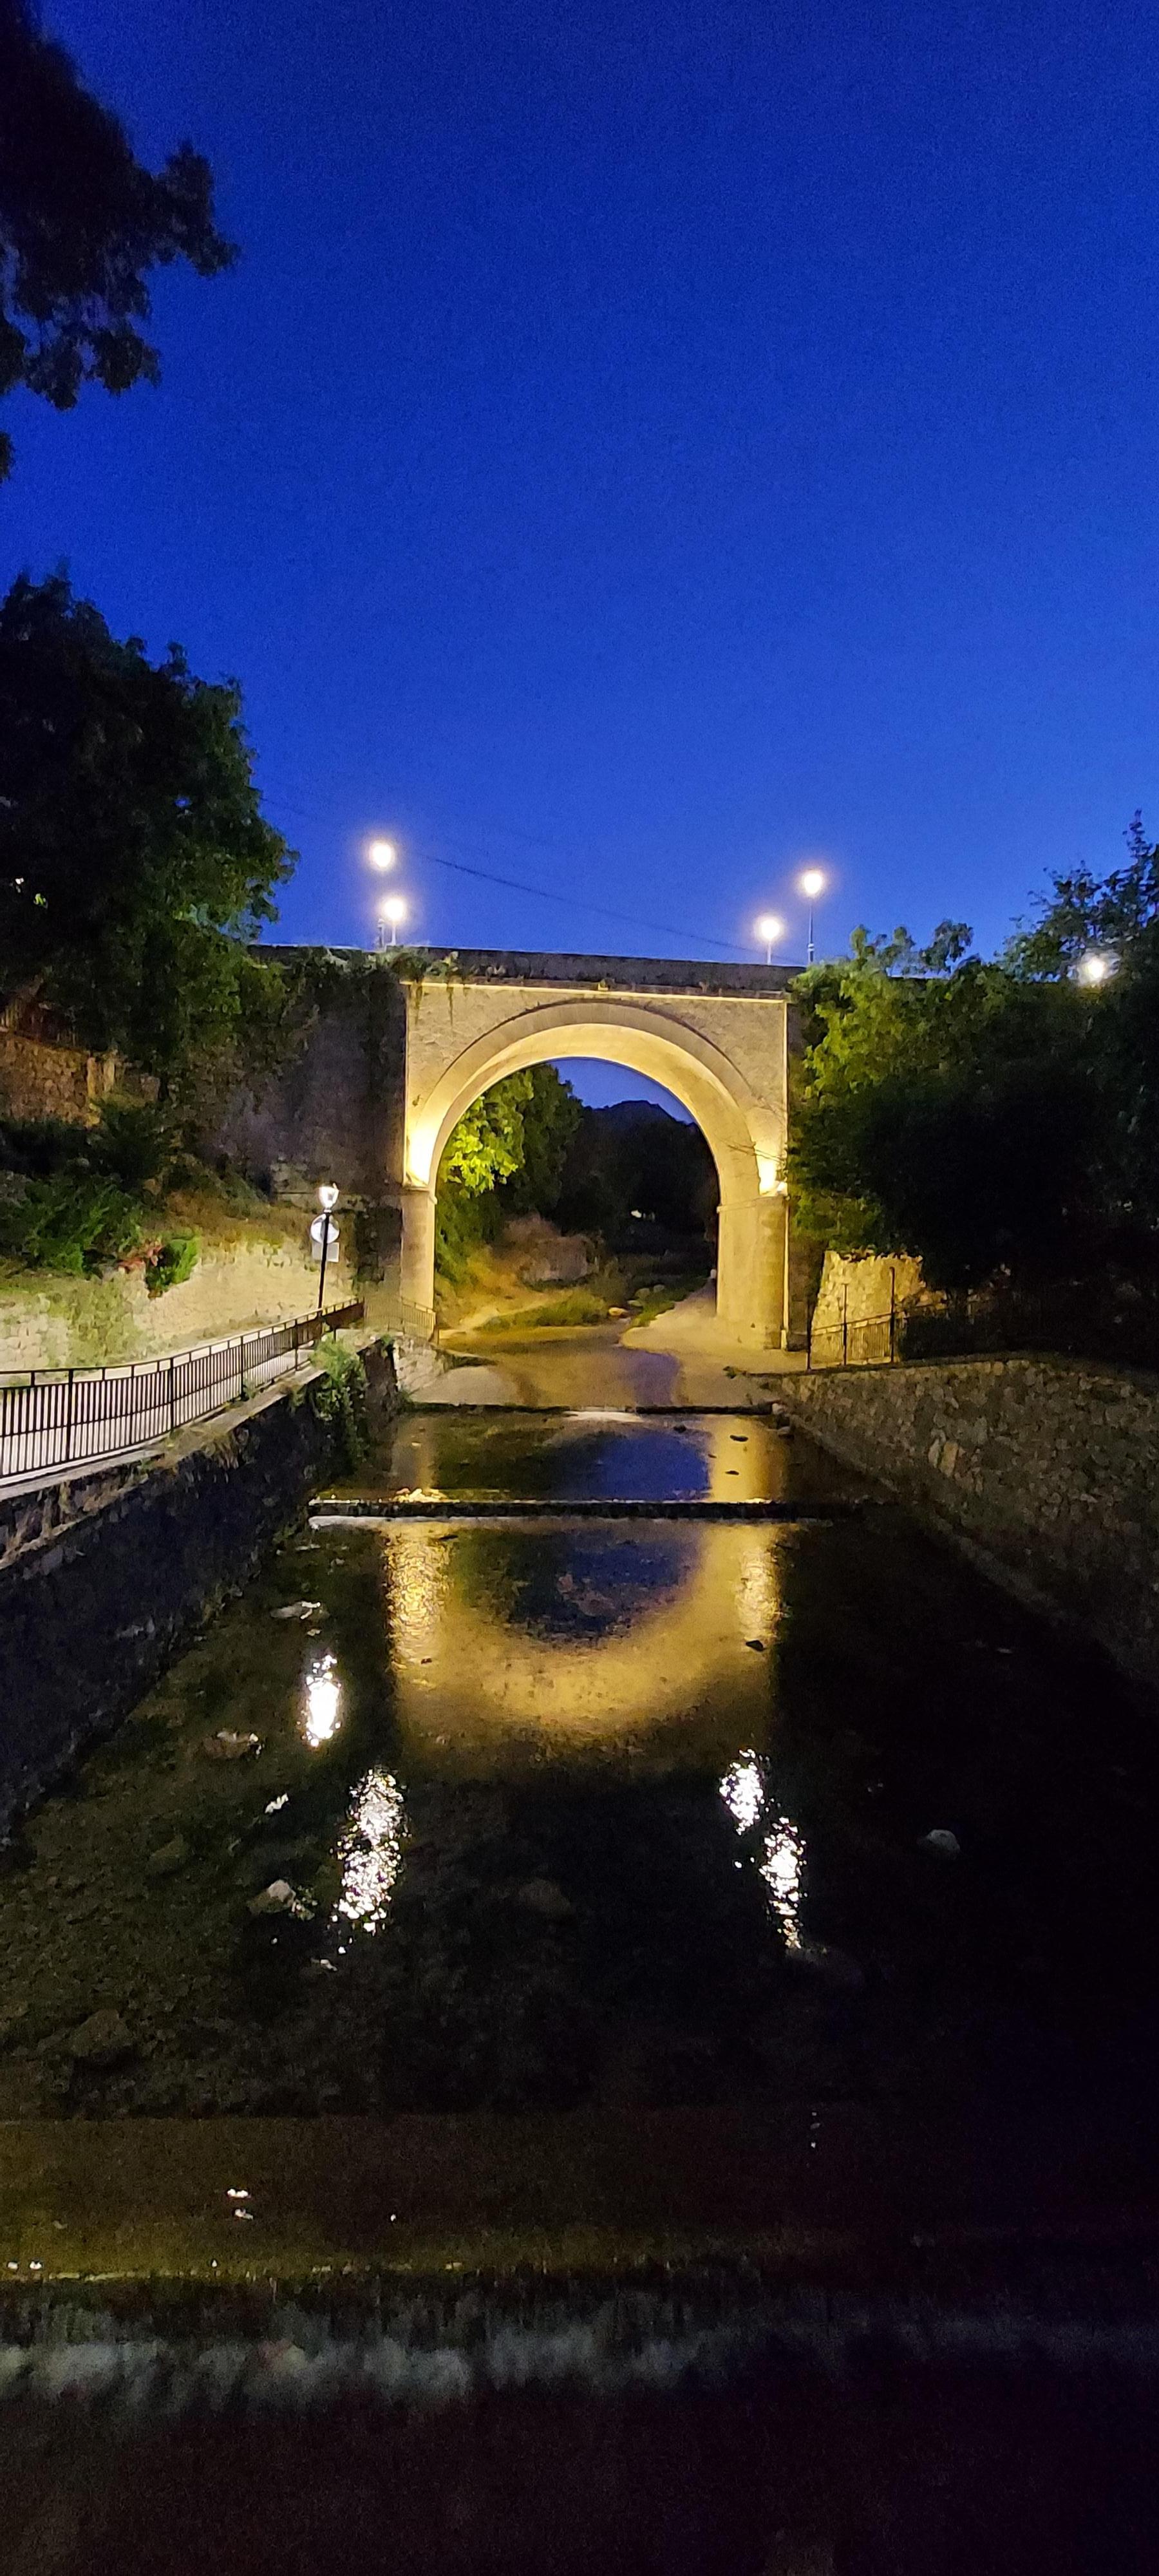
{"x": 695, "y": 939}
{"x": 578, "y": 903}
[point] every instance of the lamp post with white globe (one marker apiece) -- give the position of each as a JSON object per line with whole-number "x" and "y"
{"x": 812, "y": 883}
{"x": 768, "y": 928}
{"x": 324, "y": 1231}
{"x": 392, "y": 913}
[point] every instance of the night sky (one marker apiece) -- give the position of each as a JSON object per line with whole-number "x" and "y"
{"x": 643, "y": 446}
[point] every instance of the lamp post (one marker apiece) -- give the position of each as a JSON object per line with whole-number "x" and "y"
{"x": 812, "y": 883}
{"x": 768, "y": 928}
{"x": 327, "y": 1199}
{"x": 394, "y": 912}
{"x": 381, "y": 854}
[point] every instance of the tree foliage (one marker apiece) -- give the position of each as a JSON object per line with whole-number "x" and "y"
{"x": 517, "y": 1132}
{"x": 947, "y": 1108}
{"x": 82, "y": 222}
{"x": 505, "y": 1157}
{"x": 135, "y": 863}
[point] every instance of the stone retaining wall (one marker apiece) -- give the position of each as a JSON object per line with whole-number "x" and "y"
{"x": 1048, "y": 1467}
{"x": 105, "y": 1576}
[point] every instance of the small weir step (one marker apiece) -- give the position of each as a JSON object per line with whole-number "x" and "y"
{"x": 433, "y": 1507}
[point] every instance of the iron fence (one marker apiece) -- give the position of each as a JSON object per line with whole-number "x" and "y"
{"x": 1109, "y": 1319}
{"x": 62, "y": 1417}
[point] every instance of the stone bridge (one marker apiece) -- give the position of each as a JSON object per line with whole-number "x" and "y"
{"x": 404, "y": 1045}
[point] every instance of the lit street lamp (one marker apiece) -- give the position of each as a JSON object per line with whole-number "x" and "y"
{"x": 1095, "y": 966}
{"x": 324, "y": 1231}
{"x": 394, "y": 912}
{"x": 768, "y": 929}
{"x": 812, "y": 883}
{"x": 381, "y": 854}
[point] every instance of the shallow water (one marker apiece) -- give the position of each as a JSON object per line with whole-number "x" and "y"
{"x": 582, "y": 1811}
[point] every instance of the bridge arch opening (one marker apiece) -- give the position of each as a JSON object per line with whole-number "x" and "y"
{"x": 740, "y": 1130}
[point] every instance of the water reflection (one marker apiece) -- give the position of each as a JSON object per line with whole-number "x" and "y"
{"x": 322, "y": 1710}
{"x": 781, "y": 1859}
{"x": 513, "y": 1647}
{"x": 370, "y": 1851}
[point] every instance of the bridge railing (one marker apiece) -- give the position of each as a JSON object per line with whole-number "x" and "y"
{"x": 64, "y": 1417}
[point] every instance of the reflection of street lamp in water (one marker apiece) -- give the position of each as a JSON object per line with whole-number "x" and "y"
{"x": 322, "y": 1230}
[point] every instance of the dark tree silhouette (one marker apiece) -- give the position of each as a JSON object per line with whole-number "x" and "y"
{"x": 135, "y": 862}
{"x": 81, "y": 224}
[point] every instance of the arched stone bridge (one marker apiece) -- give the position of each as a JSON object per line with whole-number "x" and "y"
{"x": 452, "y": 1022}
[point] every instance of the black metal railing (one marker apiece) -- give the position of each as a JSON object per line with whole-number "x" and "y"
{"x": 63, "y": 1417}
{"x": 1095, "y": 1320}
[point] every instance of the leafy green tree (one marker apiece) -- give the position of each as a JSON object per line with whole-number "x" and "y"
{"x": 1115, "y": 920}
{"x": 551, "y": 1116}
{"x": 947, "y": 1108}
{"x": 505, "y": 1157}
{"x": 81, "y": 224}
{"x": 135, "y": 863}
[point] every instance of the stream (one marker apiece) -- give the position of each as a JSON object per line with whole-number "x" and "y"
{"x": 571, "y": 1810}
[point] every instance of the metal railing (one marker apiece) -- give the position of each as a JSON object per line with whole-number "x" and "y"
{"x": 1094, "y": 1320}
{"x": 861, "y": 1341}
{"x": 63, "y": 1417}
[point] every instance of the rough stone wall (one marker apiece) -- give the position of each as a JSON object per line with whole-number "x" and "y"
{"x": 861, "y": 1289}
{"x": 38, "y": 1080}
{"x": 106, "y": 1577}
{"x": 335, "y": 1110}
{"x": 1048, "y": 1467}
{"x": 52, "y": 1322}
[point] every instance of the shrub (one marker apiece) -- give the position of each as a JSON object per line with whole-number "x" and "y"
{"x": 174, "y": 1260}
{"x": 340, "y": 1398}
{"x": 73, "y": 1222}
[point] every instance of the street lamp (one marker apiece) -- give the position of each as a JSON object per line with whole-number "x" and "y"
{"x": 1095, "y": 966}
{"x": 394, "y": 912}
{"x": 322, "y": 1230}
{"x": 381, "y": 854}
{"x": 768, "y": 929}
{"x": 812, "y": 883}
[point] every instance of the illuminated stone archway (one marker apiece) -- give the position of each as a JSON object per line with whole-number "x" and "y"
{"x": 717, "y": 1040}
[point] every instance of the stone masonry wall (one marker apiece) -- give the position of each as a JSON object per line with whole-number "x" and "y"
{"x": 1048, "y": 1467}
{"x": 49, "y": 1322}
{"x": 105, "y": 1577}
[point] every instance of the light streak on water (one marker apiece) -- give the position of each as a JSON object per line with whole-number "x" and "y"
{"x": 370, "y": 1851}
{"x": 781, "y": 1860}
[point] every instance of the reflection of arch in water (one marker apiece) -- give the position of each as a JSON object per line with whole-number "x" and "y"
{"x": 470, "y": 1686}
{"x": 718, "y": 1073}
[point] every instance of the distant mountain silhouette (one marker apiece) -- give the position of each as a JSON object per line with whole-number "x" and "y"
{"x": 635, "y": 1156}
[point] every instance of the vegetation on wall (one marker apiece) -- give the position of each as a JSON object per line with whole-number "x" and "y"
{"x": 997, "y": 1119}
{"x": 84, "y": 1200}
{"x": 340, "y": 1396}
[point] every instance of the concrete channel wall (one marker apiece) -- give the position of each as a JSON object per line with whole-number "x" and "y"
{"x": 107, "y": 1574}
{"x": 1049, "y": 1468}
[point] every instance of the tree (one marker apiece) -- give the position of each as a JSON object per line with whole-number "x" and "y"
{"x": 82, "y": 221}
{"x": 947, "y": 1108}
{"x": 1116, "y": 919}
{"x": 505, "y": 1157}
{"x": 135, "y": 863}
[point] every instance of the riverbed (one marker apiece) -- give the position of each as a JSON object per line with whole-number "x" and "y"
{"x": 575, "y": 1811}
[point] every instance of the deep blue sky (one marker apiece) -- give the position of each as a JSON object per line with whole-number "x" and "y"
{"x": 643, "y": 444}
